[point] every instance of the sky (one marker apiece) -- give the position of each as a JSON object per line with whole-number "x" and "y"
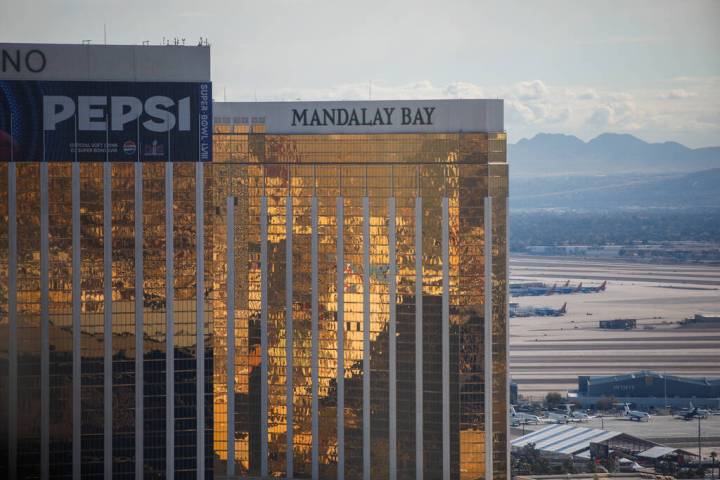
{"x": 648, "y": 68}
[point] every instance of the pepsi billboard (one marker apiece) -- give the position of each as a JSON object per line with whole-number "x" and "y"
{"x": 64, "y": 121}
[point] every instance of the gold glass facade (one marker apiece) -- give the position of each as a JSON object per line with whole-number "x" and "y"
{"x": 338, "y": 264}
{"x": 363, "y": 171}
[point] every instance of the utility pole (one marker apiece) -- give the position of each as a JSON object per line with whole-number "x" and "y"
{"x": 699, "y": 442}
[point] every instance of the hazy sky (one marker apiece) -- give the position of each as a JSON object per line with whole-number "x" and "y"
{"x": 650, "y": 68}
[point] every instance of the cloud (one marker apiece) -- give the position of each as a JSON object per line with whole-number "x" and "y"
{"x": 532, "y": 90}
{"x": 601, "y": 117}
{"x": 589, "y": 94}
{"x": 464, "y": 90}
{"x": 627, "y": 40}
{"x": 677, "y": 93}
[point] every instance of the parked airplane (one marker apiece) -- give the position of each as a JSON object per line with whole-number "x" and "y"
{"x": 537, "y": 289}
{"x": 517, "y": 311}
{"x": 693, "y": 412}
{"x": 519, "y": 418}
{"x": 598, "y": 289}
{"x": 575, "y": 415}
{"x": 530, "y": 289}
{"x": 636, "y": 414}
{"x": 557, "y": 417}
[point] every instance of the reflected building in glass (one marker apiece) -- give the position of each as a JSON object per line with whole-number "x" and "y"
{"x": 360, "y": 262}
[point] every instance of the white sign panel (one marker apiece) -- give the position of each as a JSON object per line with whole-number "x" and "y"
{"x": 412, "y": 116}
{"x": 117, "y": 63}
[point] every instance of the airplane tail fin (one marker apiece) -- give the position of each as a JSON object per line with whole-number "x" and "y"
{"x": 603, "y": 286}
{"x": 552, "y": 290}
{"x": 563, "y": 309}
{"x": 567, "y": 284}
{"x": 579, "y": 287}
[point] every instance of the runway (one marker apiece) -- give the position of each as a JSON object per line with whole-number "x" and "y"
{"x": 548, "y": 353}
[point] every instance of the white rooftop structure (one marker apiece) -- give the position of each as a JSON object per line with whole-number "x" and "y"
{"x": 565, "y": 439}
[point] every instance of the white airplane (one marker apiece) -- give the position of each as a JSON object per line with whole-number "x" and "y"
{"x": 636, "y": 414}
{"x": 703, "y": 413}
{"x": 518, "y": 418}
{"x": 693, "y": 412}
{"x": 576, "y": 416}
{"x": 557, "y": 417}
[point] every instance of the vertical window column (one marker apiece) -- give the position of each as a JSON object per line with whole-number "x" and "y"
{"x": 487, "y": 339}
{"x": 169, "y": 324}
{"x": 230, "y": 336}
{"x": 263, "y": 337}
{"x": 289, "y": 333}
{"x": 418, "y": 341}
{"x": 340, "y": 216}
{"x": 366, "y": 339}
{"x": 315, "y": 333}
{"x": 445, "y": 339}
{"x": 76, "y": 335}
{"x": 107, "y": 319}
{"x": 44, "y": 326}
{"x": 12, "y": 321}
{"x": 200, "y": 315}
{"x": 393, "y": 338}
{"x": 139, "y": 321}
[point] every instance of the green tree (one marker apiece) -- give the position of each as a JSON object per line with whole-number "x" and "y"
{"x": 606, "y": 403}
{"x": 553, "y": 399}
{"x": 529, "y": 461}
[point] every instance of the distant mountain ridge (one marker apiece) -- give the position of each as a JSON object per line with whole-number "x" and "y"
{"x": 609, "y": 153}
{"x": 696, "y": 190}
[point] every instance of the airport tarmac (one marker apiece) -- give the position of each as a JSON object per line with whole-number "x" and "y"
{"x": 548, "y": 353}
{"x": 665, "y": 429}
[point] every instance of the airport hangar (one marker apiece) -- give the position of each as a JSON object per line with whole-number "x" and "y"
{"x": 647, "y": 389}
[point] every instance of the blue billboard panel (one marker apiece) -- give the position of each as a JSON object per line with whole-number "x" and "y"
{"x": 105, "y": 121}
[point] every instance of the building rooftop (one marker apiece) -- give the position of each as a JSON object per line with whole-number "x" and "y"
{"x": 564, "y": 439}
{"x": 117, "y": 63}
{"x": 648, "y": 373}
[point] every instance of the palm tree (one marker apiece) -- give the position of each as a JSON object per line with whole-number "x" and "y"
{"x": 713, "y": 455}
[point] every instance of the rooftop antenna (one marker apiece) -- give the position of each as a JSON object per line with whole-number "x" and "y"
{"x": 146, "y": 42}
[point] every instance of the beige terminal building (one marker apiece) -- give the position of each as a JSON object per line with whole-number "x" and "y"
{"x": 327, "y": 281}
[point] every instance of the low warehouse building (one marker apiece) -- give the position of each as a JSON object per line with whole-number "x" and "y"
{"x": 564, "y": 439}
{"x": 648, "y": 389}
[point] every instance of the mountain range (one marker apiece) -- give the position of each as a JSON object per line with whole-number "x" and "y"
{"x": 611, "y": 171}
{"x": 609, "y": 153}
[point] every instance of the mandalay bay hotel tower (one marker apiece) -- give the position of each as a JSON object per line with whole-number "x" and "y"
{"x": 192, "y": 289}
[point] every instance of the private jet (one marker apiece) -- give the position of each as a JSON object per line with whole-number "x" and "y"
{"x": 636, "y": 414}
{"x": 519, "y": 418}
{"x": 576, "y": 416}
